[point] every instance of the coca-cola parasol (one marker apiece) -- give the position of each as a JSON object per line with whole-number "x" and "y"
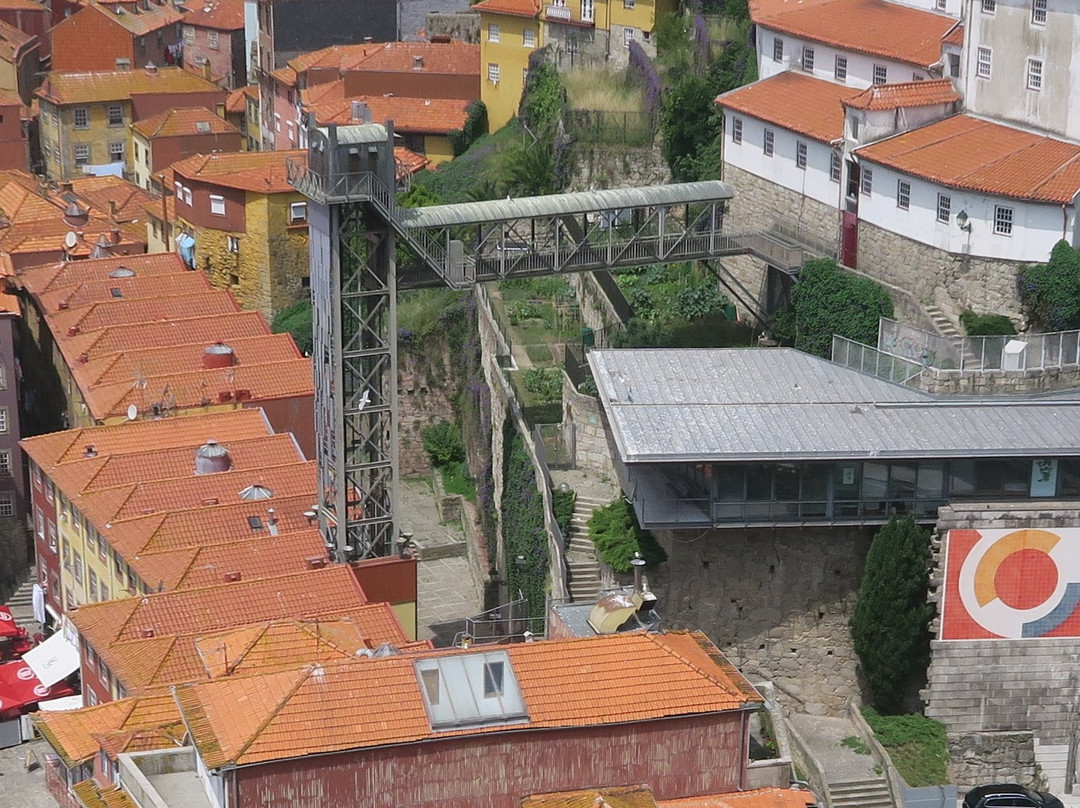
{"x": 7, "y": 624}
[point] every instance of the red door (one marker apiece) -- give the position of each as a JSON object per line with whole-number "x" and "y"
{"x": 849, "y": 239}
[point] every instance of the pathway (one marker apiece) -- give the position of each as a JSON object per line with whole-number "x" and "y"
{"x": 853, "y": 778}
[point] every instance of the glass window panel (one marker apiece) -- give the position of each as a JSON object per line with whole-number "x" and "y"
{"x": 931, "y": 480}
{"x": 902, "y": 479}
{"x": 1069, "y": 477}
{"x": 759, "y": 482}
{"x": 729, "y": 480}
{"x": 962, "y": 477}
{"x": 787, "y": 482}
{"x": 874, "y": 487}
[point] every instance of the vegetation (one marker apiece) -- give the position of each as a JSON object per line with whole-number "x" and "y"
{"x": 424, "y": 313}
{"x": 476, "y": 125}
{"x": 826, "y": 301}
{"x": 615, "y": 531}
{"x": 891, "y": 619}
{"x": 524, "y": 536}
{"x": 917, "y": 746}
{"x": 1050, "y": 292}
{"x": 443, "y": 443}
{"x": 456, "y": 480}
{"x": 856, "y": 745}
{"x": 986, "y": 325}
{"x": 562, "y": 503}
{"x": 296, "y": 320}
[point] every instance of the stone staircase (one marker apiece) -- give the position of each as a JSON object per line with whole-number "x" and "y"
{"x": 942, "y": 323}
{"x": 584, "y": 569}
{"x": 872, "y": 793}
{"x": 22, "y": 606}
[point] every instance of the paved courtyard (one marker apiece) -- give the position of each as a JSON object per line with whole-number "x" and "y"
{"x": 18, "y": 787}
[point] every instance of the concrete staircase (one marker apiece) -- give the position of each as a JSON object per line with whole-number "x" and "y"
{"x": 584, "y": 569}
{"x": 22, "y": 606}
{"x": 861, "y": 794}
{"x": 942, "y": 323}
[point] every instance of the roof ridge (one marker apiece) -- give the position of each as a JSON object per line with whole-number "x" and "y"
{"x": 305, "y": 673}
{"x": 654, "y": 637}
{"x": 1060, "y": 170}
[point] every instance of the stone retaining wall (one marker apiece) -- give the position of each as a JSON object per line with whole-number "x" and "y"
{"x": 594, "y": 448}
{"x": 979, "y": 758}
{"x": 998, "y": 382}
{"x": 758, "y": 202}
{"x": 600, "y": 167}
{"x": 426, "y": 387}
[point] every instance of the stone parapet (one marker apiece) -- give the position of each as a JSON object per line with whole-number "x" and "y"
{"x": 979, "y": 758}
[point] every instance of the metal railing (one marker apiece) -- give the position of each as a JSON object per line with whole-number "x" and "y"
{"x": 577, "y": 369}
{"x": 873, "y": 362}
{"x": 552, "y": 447}
{"x": 508, "y": 622}
{"x": 593, "y": 126}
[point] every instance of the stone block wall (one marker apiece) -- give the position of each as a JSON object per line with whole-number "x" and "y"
{"x": 952, "y": 282}
{"x": 979, "y": 758}
{"x": 758, "y": 202}
{"x": 998, "y": 382}
{"x": 596, "y": 310}
{"x": 776, "y": 601}
{"x": 425, "y": 397}
{"x": 600, "y": 167}
{"x": 463, "y": 26}
{"x": 594, "y": 448}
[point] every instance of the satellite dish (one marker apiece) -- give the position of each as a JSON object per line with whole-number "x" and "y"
{"x": 70, "y": 240}
{"x": 132, "y": 412}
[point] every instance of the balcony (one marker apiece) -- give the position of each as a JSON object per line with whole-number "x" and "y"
{"x": 557, "y": 13}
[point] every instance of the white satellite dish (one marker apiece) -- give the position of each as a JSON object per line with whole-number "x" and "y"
{"x": 132, "y": 412}
{"x": 70, "y": 240}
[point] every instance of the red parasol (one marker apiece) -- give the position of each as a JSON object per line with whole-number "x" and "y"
{"x": 7, "y": 624}
{"x": 20, "y": 688}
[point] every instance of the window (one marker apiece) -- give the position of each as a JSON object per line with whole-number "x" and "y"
{"x": 5, "y": 462}
{"x": 493, "y": 73}
{"x": 77, "y": 567}
{"x": 944, "y": 208}
{"x": 3, "y": 420}
{"x": 866, "y": 180}
{"x": 217, "y": 205}
{"x": 116, "y": 115}
{"x": 298, "y": 212}
{"x": 989, "y": 6}
{"x": 881, "y": 74}
{"x": 903, "y": 194}
{"x": 39, "y": 522}
{"x": 528, "y": 38}
{"x": 92, "y": 586}
{"x": 189, "y": 35}
{"x": 808, "y": 59}
{"x": 1038, "y": 12}
{"x": 493, "y": 33}
{"x": 736, "y": 130}
{"x": 941, "y": 5}
{"x": 103, "y": 590}
{"x": 7, "y": 504}
{"x": 918, "y": 77}
{"x": 212, "y": 40}
{"x": 983, "y": 61}
{"x": 628, "y": 5}
{"x": 1034, "y": 74}
{"x": 834, "y": 166}
{"x": 777, "y": 49}
{"x": 800, "y": 155}
{"x": 493, "y": 679}
{"x": 234, "y": 244}
{"x": 234, "y": 280}
{"x": 80, "y": 117}
{"x": 767, "y": 143}
{"x": 1003, "y": 220}
{"x": 628, "y": 36}
{"x": 123, "y": 64}
{"x": 116, "y": 151}
{"x": 52, "y": 537}
{"x": 187, "y": 196}
{"x": 588, "y": 10}
{"x": 840, "y": 68}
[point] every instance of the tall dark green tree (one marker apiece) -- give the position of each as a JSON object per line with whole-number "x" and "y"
{"x": 891, "y": 619}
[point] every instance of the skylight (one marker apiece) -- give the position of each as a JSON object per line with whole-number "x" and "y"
{"x": 474, "y": 689}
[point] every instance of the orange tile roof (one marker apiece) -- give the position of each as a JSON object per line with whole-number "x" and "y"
{"x": 615, "y": 797}
{"x": 329, "y": 592}
{"x": 20, "y": 5}
{"x": 46, "y": 277}
{"x": 183, "y": 121}
{"x": 258, "y": 171}
{"x": 147, "y": 20}
{"x": 906, "y": 94}
{"x": 130, "y": 312}
{"x": 237, "y": 100}
{"x": 410, "y": 115}
{"x": 107, "y": 193}
{"x": 138, "y": 287}
{"x": 642, "y": 797}
{"x": 71, "y": 732}
{"x": 139, "y": 437}
{"x": 874, "y": 27}
{"x": 757, "y": 798}
{"x": 116, "y": 85}
{"x": 795, "y": 101}
{"x": 408, "y": 162}
{"x": 582, "y": 682}
{"x": 284, "y": 75}
{"x": 515, "y": 8}
{"x": 12, "y": 40}
{"x": 955, "y": 36}
{"x": 442, "y": 58}
{"x": 92, "y": 795}
{"x": 220, "y": 15}
{"x": 977, "y": 155}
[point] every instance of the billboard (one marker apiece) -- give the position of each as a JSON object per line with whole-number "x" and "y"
{"x": 1011, "y": 584}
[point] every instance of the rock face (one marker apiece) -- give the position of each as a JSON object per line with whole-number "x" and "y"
{"x": 426, "y": 388}
{"x": 776, "y": 601}
{"x": 601, "y": 167}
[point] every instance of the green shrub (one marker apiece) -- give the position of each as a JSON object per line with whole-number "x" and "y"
{"x": 986, "y": 325}
{"x": 476, "y": 125}
{"x": 1050, "y": 292}
{"x": 615, "y": 531}
{"x": 891, "y": 619}
{"x": 296, "y": 320}
{"x": 443, "y": 443}
{"x": 456, "y": 480}
{"x": 562, "y": 503}
{"x": 544, "y": 383}
{"x": 698, "y": 300}
{"x": 917, "y": 746}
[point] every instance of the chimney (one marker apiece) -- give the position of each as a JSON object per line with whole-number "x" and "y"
{"x": 90, "y": 451}
{"x": 151, "y": 69}
{"x": 232, "y": 577}
{"x": 73, "y": 331}
{"x": 112, "y": 208}
{"x": 146, "y": 633}
{"x": 418, "y": 63}
{"x": 360, "y": 112}
{"x": 218, "y": 355}
{"x": 315, "y": 562}
{"x": 206, "y": 74}
{"x": 466, "y": 641}
{"x": 84, "y": 357}
{"x": 66, "y": 187}
{"x": 115, "y": 233}
{"x": 62, "y": 305}
{"x": 638, "y": 562}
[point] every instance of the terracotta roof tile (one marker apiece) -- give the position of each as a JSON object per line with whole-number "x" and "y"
{"x": 616, "y": 797}
{"x": 147, "y": 20}
{"x": 131, "y": 312}
{"x": 438, "y": 58}
{"x": 220, "y": 15}
{"x": 46, "y": 277}
{"x": 907, "y": 94}
{"x": 874, "y": 27}
{"x": 258, "y": 171}
{"x": 329, "y": 592}
{"x": 115, "y": 85}
{"x": 183, "y": 121}
{"x": 92, "y": 795}
{"x": 794, "y": 101}
{"x": 756, "y": 798}
{"x": 20, "y": 5}
{"x": 71, "y": 732}
{"x": 516, "y": 8}
{"x": 11, "y": 40}
{"x": 141, "y": 286}
{"x": 977, "y": 155}
{"x": 237, "y": 100}
{"x": 408, "y": 162}
{"x": 955, "y": 36}
{"x": 410, "y": 115}
{"x": 376, "y": 702}
{"x": 284, "y": 75}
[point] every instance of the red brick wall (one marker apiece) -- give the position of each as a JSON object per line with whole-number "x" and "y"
{"x": 169, "y": 150}
{"x": 88, "y": 41}
{"x": 411, "y": 85}
{"x": 676, "y": 757}
{"x": 147, "y": 105}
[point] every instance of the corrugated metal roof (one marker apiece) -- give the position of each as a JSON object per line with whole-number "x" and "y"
{"x": 779, "y": 404}
{"x": 563, "y": 204}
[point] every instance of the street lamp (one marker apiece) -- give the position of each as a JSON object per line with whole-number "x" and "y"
{"x": 962, "y": 221}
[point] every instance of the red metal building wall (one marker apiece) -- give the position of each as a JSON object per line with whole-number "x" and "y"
{"x": 676, "y": 757}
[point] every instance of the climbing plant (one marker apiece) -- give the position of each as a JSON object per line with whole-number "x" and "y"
{"x": 524, "y": 536}
{"x": 1050, "y": 292}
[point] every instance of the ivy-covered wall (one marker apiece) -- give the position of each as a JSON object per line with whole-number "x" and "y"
{"x": 525, "y": 539}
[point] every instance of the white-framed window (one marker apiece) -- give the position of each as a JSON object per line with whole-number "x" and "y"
{"x": 1003, "y": 220}
{"x": 866, "y": 180}
{"x": 944, "y": 208}
{"x": 840, "y": 68}
{"x": 989, "y": 6}
{"x": 52, "y": 537}
{"x": 217, "y": 205}
{"x": 116, "y": 115}
{"x": 800, "y": 155}
{"x": 493, "y": 33}
{"x": 116, "y": 151}
{"x": 628, "y": 5}
{"x": 984, "y": 59}
{"x": 212, "y": 40}
{"x": 277, "y": 121}
{"x": 1038, "y": 12}
{"x": 588, "y": 10}
{"x": 5, "y": 462}
{"x": 1034, "y": 74}
{"x": 7, "y": 504}
{"x": 628, "y": 36}
{"x": 234, "y": 244}
{"x": 777, "y": 49}
{"x": 39, "y": 523}
{"x": 297, "y": 212}
{"x": 92, "y": 585}
{"x": 189, "y": 35}
{"x": 881, "y": 74}
{"x": 808, "y": 59}
{"x": 941, "y": 5}
{"x": 80, "y": 118}
{"x": 77, "y": 567}
{"x": 82, "y": 154}
{"x": 736, "y": 130}
{"x": 493, "y": 73}
{"x": 528, "y": 37}
{"x": 834, "y": 166}
{"x": 50, "y": 492}
{"x": 768, "y": 142}
{"x": 903, "y": 194}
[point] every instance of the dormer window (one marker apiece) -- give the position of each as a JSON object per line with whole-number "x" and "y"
{"x": 493, "y": 679}
{"x": 470, "y": 689}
